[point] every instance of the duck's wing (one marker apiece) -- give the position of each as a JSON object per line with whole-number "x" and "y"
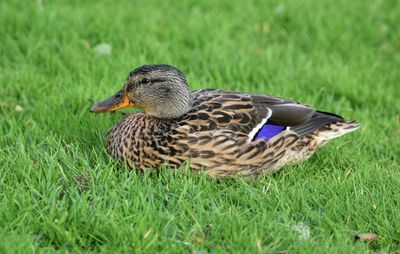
{"x": 216, "y": 109}
{"x": 300, "y": 118}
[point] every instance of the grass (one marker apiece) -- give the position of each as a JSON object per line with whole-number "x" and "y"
{"x": 61, "y": 192}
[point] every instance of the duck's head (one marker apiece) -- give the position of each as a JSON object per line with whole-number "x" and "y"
{"x": 160, "y": 90}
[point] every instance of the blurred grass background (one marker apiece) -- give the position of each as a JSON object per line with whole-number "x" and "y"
{"x": 61, "y": 192}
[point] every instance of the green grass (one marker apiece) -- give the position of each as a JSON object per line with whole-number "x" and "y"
{"x": 61, "y": 192}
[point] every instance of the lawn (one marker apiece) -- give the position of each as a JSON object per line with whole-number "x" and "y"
{"x": 61, "y": 192}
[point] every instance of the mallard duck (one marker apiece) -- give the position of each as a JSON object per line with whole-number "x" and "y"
{"x": 225, "y": 133}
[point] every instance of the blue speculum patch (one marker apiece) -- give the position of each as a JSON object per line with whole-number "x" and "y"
{"x": 268, "y": 131}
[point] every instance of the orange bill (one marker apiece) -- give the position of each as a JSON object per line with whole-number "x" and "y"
{"x": 117, "y": 101}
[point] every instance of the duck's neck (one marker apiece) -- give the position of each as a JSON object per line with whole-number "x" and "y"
{"x": 174, "y": 108}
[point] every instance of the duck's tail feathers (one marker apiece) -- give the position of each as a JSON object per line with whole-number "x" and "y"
{"x": 337, "y": 129}
{"x": 326, "y": 124}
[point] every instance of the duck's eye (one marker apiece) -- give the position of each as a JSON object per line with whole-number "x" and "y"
{"x": 145, "y": 81}
{"x": 131, "y": 87}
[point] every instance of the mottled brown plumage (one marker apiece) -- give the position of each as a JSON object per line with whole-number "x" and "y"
{"x": 213, "y": 130}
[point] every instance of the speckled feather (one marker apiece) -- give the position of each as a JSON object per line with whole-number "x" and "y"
{"x": 214, "y": 135}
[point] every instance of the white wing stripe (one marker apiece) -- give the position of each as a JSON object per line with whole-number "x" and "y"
{"x": 254, "y": 131}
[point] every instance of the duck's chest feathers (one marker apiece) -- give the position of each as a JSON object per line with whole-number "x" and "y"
{"x": 139, "y": 140}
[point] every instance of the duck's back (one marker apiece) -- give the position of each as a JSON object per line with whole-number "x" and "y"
{"x": 255, "y": 115}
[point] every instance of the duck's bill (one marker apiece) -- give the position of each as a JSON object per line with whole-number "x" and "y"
{"x": 117, "y": 101}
